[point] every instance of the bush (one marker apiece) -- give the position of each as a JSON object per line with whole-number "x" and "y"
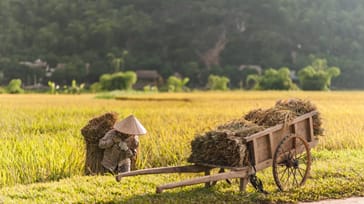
{"x": 176, "y": 84}
{"x": 317, "y": 76}
{"x": 130, "y": 78}
{"x": 149, "y": 88}
{"x": 118, "y": 81}
{"x": 273, "y": 80}
{"x": 218, "y": 82}
{"x": 14, "y": 86}
{"x": 76, "y": 89}
{"x": 52, "y": 87}
{"x": 96, "y": 87}
{"x": 105, "y": 82}
{"x": 2, "y": 90}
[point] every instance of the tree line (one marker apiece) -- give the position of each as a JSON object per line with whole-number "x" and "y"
{"x": 317, "y": 76}
{"x": 82, "y": 40}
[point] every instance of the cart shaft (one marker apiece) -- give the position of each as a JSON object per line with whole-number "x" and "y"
{"x": 220, "y": 176}
{"x": 161, "y": 170}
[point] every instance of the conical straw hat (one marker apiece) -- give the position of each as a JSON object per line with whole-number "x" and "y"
{"x": 131, "y": 126}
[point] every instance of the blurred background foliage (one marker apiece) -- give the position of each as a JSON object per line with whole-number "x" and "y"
{"x": 81, "y": 40}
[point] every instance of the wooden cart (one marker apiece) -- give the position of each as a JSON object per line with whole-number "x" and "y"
{"x": 285, "y": 147}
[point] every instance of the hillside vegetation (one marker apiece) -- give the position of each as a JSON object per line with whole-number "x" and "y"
{"x": 83, "y": 39}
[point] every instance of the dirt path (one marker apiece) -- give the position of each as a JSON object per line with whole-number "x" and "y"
{"x": 354, "y": 200}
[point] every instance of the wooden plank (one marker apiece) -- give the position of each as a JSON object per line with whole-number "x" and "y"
{"x": 204, "y": 179}
{"x": 255, "y": 155}
{"x": 311, "y": 129}
{"x": 273, "y": 145}
{"x": 161, "y": 170}
{"x": 262, "y": 133}
{"x": 278, "y": 127}
{"x": 313, "y": 143}
{"x": 263, "y": 148}
{"x": 264, "y": 164}
{"x": 295, "y": 127}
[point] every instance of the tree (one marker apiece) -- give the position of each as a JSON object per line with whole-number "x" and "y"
{"x": 218, "y": 82}
{"x": 1, "y": 76}
{"x": 273, "y": 80}
{"x": 118, "y": 61}
{"x": 317, "y": 76}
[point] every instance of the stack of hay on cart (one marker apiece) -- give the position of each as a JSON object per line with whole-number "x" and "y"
{"x": 285, "y": 111}
{"x": 224, "y": 146}
{"x": 301, "y": 107}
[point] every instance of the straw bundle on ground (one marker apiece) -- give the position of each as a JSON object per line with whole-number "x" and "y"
{"x": 92, "y": 133}
{"x": 224, "y": 146}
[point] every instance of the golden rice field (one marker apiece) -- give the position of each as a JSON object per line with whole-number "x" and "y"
{"x": 41, "y": 140}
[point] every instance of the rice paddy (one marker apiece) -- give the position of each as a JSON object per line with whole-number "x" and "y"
{"x": 41, "y": 139}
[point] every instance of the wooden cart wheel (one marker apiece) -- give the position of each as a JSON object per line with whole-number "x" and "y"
{"x": 291, "y": 162}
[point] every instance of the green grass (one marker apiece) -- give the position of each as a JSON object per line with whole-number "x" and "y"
{"x": 41, "y": 142}
{"x": 334, "y": 174}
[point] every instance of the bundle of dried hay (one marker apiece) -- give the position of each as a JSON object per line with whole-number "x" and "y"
{"x": 95, "y": 129}
{"x": 301, "y": 107}
{"x": 236, "y": 124}
{"x": 218, "y": 148}
{"x": 283, "y": 112}
{"x": 270, "y": 117}
{"x": 240, "y": 127}
{"x": 224, "y": 146}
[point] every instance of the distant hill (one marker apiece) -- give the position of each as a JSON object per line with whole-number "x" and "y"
{"x": 192, "y": 37}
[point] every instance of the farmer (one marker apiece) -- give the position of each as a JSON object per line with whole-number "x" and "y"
{"x": 121, "y": 144}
